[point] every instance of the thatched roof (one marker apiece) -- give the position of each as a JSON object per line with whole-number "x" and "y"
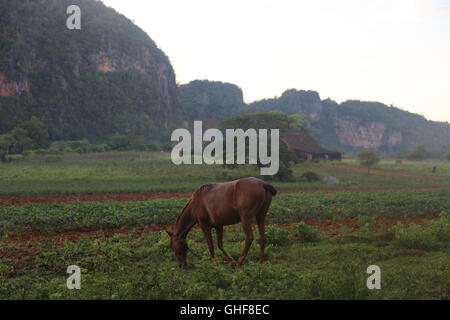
{"x": 302, "y": 141}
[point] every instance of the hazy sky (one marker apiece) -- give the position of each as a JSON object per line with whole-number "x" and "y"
{"x": 392, "y": 51}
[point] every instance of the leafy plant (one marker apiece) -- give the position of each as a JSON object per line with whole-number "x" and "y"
{"x": 276, "y": 235}
{"x": 308, "y": 233}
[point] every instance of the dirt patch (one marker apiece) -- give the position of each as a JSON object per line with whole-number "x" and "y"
{"x": 331, "y": 227}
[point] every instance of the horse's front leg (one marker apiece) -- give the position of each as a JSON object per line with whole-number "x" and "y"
{"x": 207, "y": 232}
{"x": 220, "y": 245}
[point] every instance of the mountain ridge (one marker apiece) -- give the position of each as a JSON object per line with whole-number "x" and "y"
{"x": 349, "y": 126}
{"x": 106, "y": 78}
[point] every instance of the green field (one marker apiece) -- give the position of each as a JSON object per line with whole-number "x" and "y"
{"x": 142, "y": 172}
{"x": 301, "y": 261}
{"x": 319, "y": 244}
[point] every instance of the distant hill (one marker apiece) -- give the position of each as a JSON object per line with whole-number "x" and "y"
{"x": 349, "y": 126}
{"x": 90, "y": 83}
{"x": 354, "y": 124}
{"x": 110, "y": 77}
{"x": 210, "y": 101}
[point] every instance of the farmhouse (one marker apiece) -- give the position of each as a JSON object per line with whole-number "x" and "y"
{"x": 305, "y": 147}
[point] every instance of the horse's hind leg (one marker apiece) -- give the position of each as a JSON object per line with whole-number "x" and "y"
{"x": 262, "y": 237}
{"x": 220, "y": 244}
{"x": 247, "y": 225}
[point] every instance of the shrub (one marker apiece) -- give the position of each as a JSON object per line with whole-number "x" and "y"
{"x": 366, "y": 225}
{"x": 152, "y": 147}
{"x": 97, "y": 147}
{"x": 276, "y": 235}
{"x": 310, "y": 176}
{"x": 440, "y": 228}
{"x": 308, "y": 233}
{"x": 59, "y": 146}
{"x": 283, "y": 174}
{"x": 414, "y": 237}
{"x": 419, "y": 153}
{"x": 80, "y": 146}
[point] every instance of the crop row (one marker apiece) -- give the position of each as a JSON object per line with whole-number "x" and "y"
{"x": 81, "y": 216}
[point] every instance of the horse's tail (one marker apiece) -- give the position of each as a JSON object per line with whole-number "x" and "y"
{"x": 270, "y": 188}
{"x": 267, "y": 188}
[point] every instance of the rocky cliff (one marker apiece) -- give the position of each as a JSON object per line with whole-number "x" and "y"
{"x": 353, "y": 125}
{"x": 106, "y": 78}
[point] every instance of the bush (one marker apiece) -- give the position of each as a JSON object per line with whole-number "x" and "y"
{"x": 152, "y": 147}
{"x": 283, "y": 174}
{"x": 419, "y": 153}
{"x": 59, "y": 146}
{"x": 97, "y": 147}
{"x": 309, "y": 176}
{"x": 440, "y": 228}
{"x": 276, "y": 235}
{"x": 308, "y": 233}
{"x": 414, "y": 237}
{"x": 80, "y": 146}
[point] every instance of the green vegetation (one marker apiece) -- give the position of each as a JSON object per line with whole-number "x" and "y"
{"x": 107, "y": 79}
{"x": 29, "y": 134}
{"x": 368, "y": 158}
{"x": 270, "y": 120}
{"x": 123, "y": 259}
{"x": 210, "y": 100}
{"x": 300, "y": 263}
{"x": 419, "y": 153}
{"x": 154, "y": 171}
{"x": 285, "y": 208}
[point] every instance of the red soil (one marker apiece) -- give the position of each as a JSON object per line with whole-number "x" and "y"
{"x": 18, "y": 200}
{"x": 331, "y": 227}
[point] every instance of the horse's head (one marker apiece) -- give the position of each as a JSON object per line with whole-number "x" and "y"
{"x": 180, "y": 247}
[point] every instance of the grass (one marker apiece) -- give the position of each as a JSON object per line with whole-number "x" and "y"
{"x": 418, "y": 168}
{"x": 144, "y": 172}
{"x": 141, "y": 265}
{"x": 301, "y": 262}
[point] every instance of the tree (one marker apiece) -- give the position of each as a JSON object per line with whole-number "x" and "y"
{"x": 36, "y": 131}
{"x": 18, "y": 140}
{"x": 368, "y": 158}
{"x": 127, "y": 141}
{"x": 270, "y": 120}
{"x": 419, "y": 153}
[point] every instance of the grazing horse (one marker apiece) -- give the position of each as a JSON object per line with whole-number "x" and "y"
{"x": 222, "y": 204}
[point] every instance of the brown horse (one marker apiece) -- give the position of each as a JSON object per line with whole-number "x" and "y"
{"x": 222, "y": 204}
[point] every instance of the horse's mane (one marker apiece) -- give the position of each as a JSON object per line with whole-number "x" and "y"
{"x": 203, "y": 188}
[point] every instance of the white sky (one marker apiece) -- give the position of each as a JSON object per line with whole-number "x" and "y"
{"x": 392, "y": 51}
